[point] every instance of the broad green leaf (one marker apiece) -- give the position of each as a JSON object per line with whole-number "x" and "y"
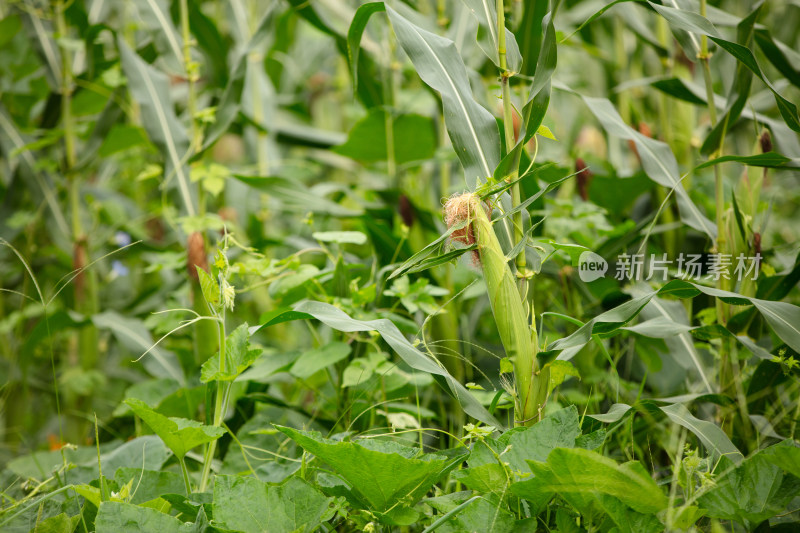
{"x": 339, "y": 320}
{"x": 472, "y": 129}
{"x": 786, "y": 455}
{"x": 559, "y": 372}
{"x": 60, "y": 523}
{"x": 210, "y": 288}
{"x": 484, "y": 479}
{"x": 150, "y": 88}
{"x": 383, "y": 474}
{"x": 251, "y": 506}
{"x": 148, "y": 453}
{"x": 179, "y": 434}
{"x": 628, "y": 520}
{"x": 581, "y": 475}
{"x": 9, "y": 26}
{"x": 558, "y": 430}
{"x": 238, "y": 357}
{"x": 593, "y": 440}
{"x": 751, "y": 492}
{"x": 121, "y": 137}
{"x": 118, "y": 517}
{"x": 149, "y": 484}
{"x": 414, "y": 137}
{"x": 479, "y": 514}
{"x": 485, "y": 13}
{"x": 318, "y": 359}
{"x": 150, "y": 391}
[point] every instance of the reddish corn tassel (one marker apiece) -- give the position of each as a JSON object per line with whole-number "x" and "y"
{"x": 766, "y": 142}
{"x": 406, "y": 210}
{"x": 584, "y": 178}
{"x": 196, "y": 254}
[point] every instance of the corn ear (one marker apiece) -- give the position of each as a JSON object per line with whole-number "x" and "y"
{"x": 518, "y": 337}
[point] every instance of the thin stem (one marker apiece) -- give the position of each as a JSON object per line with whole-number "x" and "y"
{"x": 185, "y": 472}
{"x": 793, "y": 426}
{"x": 256, "y": 61}
{"x": 219, "y": 406}
{"x": 726, "y": 371}
{"x": 191, "y": 73}
{"x": 508, "y": 124}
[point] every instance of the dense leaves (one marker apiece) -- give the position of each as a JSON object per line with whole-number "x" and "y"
{"x": 406, "y": 266}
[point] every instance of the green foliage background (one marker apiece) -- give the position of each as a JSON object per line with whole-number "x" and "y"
{"x": 229, "y": 300}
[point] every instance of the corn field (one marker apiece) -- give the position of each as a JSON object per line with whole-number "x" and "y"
{"x": 399, "y": 266}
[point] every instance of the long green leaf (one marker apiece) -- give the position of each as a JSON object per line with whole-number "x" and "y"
{"x": 485, "y": 13}
{"x": 472, "y": 129}
{"x": 700, "y": 25}
{"x": 11, "y": 141}
{"x": 783, "y": 317}
{"x": 658, "y": 162}
{"x": 168, "y": 41}
{"x": 150, "y": 88}
{"x": 354, "y": 33}
{"x": 230, "y": 103}
{"x": 713, "y": 438}
{"x": 339, "y": 320}
{"x": 740, "y": 89}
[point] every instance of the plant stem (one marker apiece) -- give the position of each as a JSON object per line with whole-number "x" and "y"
{"x": 726, "y": 376}
{"x": 185, "y": 472}
{"x": 219, "y": 406}
{"x": 530, "y": 379}
{"x": 508, "y": 124}
{"x": 85, "y": 288}
{"x": 388, "y": 101}
{"x": 191, "y": 74}
{"x": 793, "y": 426}
{"x": 256, "y": 61}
